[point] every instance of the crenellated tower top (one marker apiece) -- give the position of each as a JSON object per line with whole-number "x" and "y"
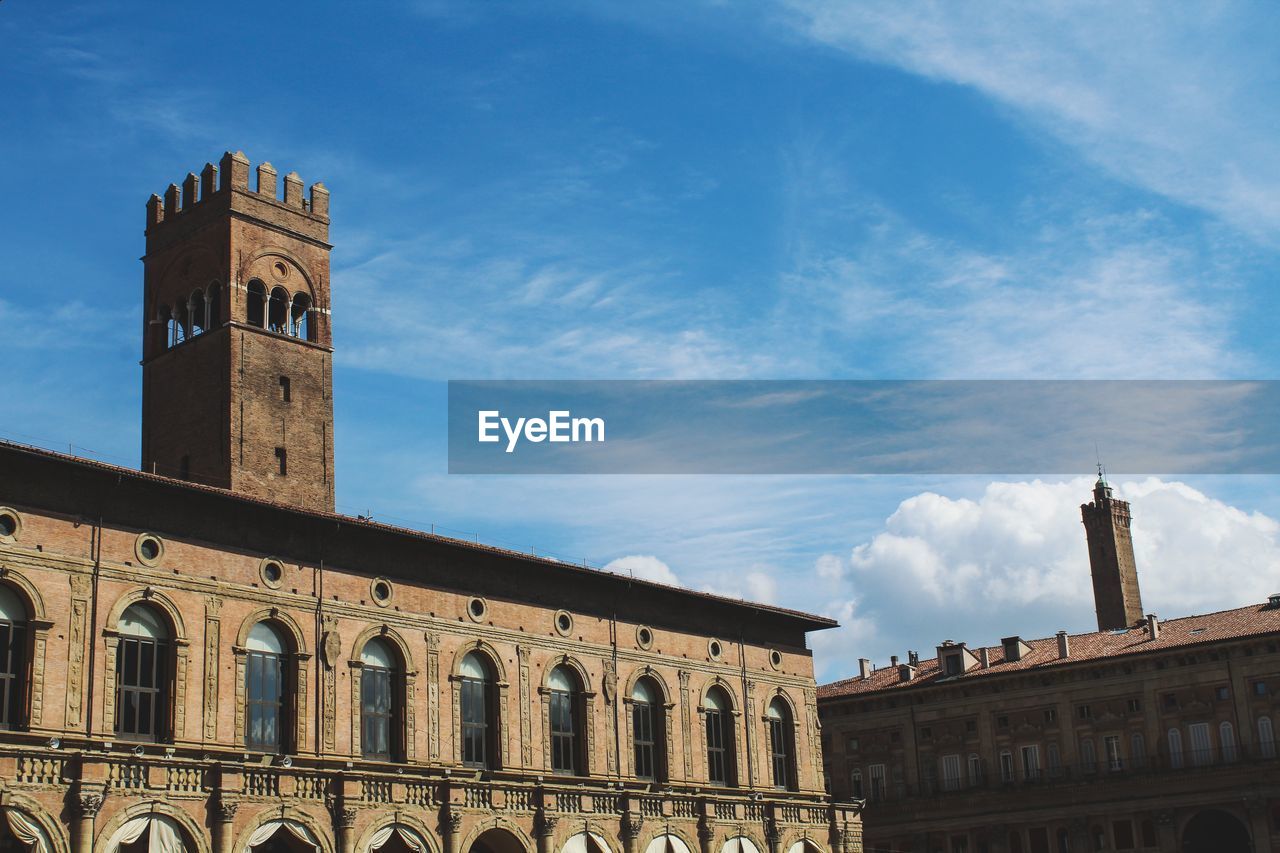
{"x": 232, "y": 176}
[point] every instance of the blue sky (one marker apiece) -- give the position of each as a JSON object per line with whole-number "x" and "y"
{"x": 695, "y": 190}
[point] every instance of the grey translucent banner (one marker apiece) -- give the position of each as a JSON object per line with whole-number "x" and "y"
{"x": 862, "y": 427}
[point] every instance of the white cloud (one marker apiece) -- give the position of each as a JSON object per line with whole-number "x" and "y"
{"x": 645, "y": 567}
{"x": 1015, "y": 561}
{"x": 1176, "y": 99}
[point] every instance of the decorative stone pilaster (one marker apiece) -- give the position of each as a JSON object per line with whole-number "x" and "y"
{"x": 451, "y": 825}
{"x": 706, "y": 833}
{"x": 344, "y": 821}
{"x": 224, "y": 817}
{"x": 773, "y": 835}
{"x": 544, "y": 829}
{"x": 632, "y": 826}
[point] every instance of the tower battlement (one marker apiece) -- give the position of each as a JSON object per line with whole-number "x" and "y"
{"x": 231, "y": 176}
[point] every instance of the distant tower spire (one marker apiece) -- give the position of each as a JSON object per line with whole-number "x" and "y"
{"x": 1115, "y": 574}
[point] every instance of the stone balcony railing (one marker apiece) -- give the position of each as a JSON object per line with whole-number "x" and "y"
{"x": 454, "y": 796}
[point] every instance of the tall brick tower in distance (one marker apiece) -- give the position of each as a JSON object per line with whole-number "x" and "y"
{"x": 1115, "y": 573}
{"x": 237, "y": 357}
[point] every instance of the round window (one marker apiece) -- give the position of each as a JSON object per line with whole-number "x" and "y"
{"x": 477, "y": 608}
{"x": 714, "y": 649}
{"x": 563, "y": 622}
{"x": 775, "y": 659}
{"x": 644, "y": 636}
{"x": 10, "y": 524}
{"x": 272, "y": 572}
{"x": 149, "y": 548}
{"x": 381, "y": 590}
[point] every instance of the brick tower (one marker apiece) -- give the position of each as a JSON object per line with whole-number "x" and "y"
{"x": 237, "y": 361}
{"x": 1115, "y": 573}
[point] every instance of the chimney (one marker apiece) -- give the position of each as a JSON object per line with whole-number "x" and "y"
{"x": 983, "y": 657}
{"x": 864, "y": 667}
{"x": 913, "y": 658}
{"x": 1064, "y": 645}
{"x": 1273, "y": 601}
{"x": 1153, "y": 626}
{"x": 893, "y": 660}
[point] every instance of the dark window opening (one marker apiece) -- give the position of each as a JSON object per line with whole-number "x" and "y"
{"x": 565, "y": 717}
{"x": 13, "y": 659}
{"x": 476, "y": 697}
{"x": 283, "y": 461}
{"x": 285, "y": 392}
{"x": 256, "y": 309}
{"x": 264, "y": 674}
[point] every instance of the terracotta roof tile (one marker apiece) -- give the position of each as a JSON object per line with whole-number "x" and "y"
{"x": 1254, "y": 620}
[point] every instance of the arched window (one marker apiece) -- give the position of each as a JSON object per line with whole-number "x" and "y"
{"x": 648, "y": 730}
{"x": 855, "y": 783}
{"x": 142, "y": 675}
{"x": 566, "y": 721}
{"x": 781, "y": 748}
{"x": 265, "y": 689}
{"x": 300, "y": 317}
{"x": 198, "y": 309}
{"x": 178, "y": 324}
{"x": 1266, "y": 738}
{"x": 1137, "y": 751}
{"x": 164, "y": 326}
{"x": 475, "y": 695}
{"x": 256, "y": 304}
{"x": 213, "y": 299}
{"x": 13, "y": 659}
{"x": 1175, "y": 748}
{"x": 1227, "y": 741}
{"x": 380, "y": 701}
{"x": 278, "y": 310}
{"x": 720, "y": 767}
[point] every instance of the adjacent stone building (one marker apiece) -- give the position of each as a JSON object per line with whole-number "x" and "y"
{"x": 202, "y": 656}
{"x": 1147, "y": 735}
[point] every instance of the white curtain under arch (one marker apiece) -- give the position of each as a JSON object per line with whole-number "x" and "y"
{"x": 667, "y": 844}
{"x": 586, "y": 842}
{"x": 293, "y": 827}
{"x": 27, "y": 831}
{"x": 165, "y": 836}
{"x": 740, "y": 844}
{"x": 804, "y": 845}
{"x": 410, "y": 838}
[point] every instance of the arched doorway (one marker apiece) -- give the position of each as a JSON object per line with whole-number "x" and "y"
{"x": 20, "y": 833}
{"x": 397, "y": 838}
{"x": 496, "y": 840}
{"x": 1215, "y": 831}
{"x": 282, "y": 836}
{"x": 149, "y": 833}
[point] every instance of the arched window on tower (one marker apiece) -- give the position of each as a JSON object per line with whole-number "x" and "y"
{"x": 300, "y": 317}
{"x": 266, "y": 689}
{"x": 648, "y": 730}
{"x": 142, "y": 675}
{"x": 198, "y": 311}
{"x": 213, "y": 304}
{"x": 278, "y": 311}
{"x": 477, "y": 711}
{"x": 256, "y": 304}
{"x": 720, "y": 754}
{"x": 566, "y": 721}
{"x": 162, "y": 329}
{"x": 178, "y": 324}
{"x": 13, "y": 659}
{"x": 380, "y": 701}
{"x": 781, "y": 744}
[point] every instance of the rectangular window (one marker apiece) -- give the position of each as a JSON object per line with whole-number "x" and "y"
{"x": 953, "y": 664}
{"x": 950, "y": 772}
{"x": 1006, "y": 766}
{"x": 1051, "y": 715}
{"x": 1222, "y": 694}
{"x": 285, "y": 391}
{"x": 975, "y": 771}
{"x": 1122, "y": 832}
{"x": 1200, "y": 749}
{"x": 1111, "y": 745}
{"x": 1054, "y": 758}
{"x": 139, "y": 677}
{"x": 12, "y": 672}
{"x": 1084, "y": 712}
{"x": 264, "y": 678}
{"x": 1135, "y": 705}
{"x": 1137, "y": 750}
{"x": 876, "y": 772}
{"x": 475, "y": 721}
{"x": 1002, "y": 722}
{"x": 282, "y": 461}
{"x": 1170, "y": 701}
{"x": 851, "y": 745}
{"x": 564, "y": 756}
{"x": 1259, "y": 688}
{"x": 1031, "y": 762}
{"x": 1038, "y": 839}
{"x": 375, "y": 713}
{"x": 642, "y": 733}
{"x": 855, "y": 783}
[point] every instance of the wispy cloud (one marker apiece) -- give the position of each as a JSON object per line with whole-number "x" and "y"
{"x": 1174, "y": 99}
